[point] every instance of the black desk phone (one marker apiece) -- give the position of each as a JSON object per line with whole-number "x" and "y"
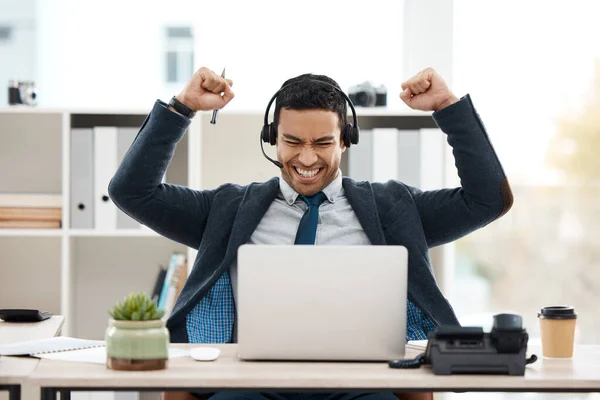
{"x": 469, "y": 350}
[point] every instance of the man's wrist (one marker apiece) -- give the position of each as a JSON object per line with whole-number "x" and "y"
{"x": 178, "y": 105}
{"x": 184, "y": 100}
{"x": 451, "y": 100}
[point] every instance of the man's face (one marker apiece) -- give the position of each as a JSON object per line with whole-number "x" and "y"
{"x": 308, "y": 146}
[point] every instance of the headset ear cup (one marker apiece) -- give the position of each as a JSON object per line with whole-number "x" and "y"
{"x": 354, "y": 135}
{"x": 346, "y": 135}
{"x": 264, "y": 134}
{"x": 272, "y": 134}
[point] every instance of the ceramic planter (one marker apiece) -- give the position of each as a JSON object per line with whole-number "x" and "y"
{"x": 137, "y": 345}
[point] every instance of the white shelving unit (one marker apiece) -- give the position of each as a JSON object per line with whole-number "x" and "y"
{"x": 78, "y": 273}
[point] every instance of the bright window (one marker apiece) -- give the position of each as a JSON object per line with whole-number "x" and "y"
{"x": 533, "y": 70}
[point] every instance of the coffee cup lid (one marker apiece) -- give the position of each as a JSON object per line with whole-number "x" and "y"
{"x": 558, "y": 312}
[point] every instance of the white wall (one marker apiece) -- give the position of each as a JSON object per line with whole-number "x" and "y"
{"x": 17, "y": 56}
{"x": 110, "y": 53}
{"x": 263, "y": 43}
{"x": 106, "y": 53}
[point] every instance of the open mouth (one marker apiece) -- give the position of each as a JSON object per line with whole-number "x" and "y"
{"x": 307, "y": 175}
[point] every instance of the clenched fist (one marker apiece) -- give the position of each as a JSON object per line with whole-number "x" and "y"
{"x": 427, "y": 91}
{"x": 203, "y": 91}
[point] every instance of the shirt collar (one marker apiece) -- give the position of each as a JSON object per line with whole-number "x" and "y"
{"x": 332, "y": 191}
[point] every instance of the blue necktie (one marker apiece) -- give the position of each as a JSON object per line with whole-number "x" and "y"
{"x": 307, "y": 230}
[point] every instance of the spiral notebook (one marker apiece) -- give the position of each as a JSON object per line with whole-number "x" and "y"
{"x": 51, "y": 345}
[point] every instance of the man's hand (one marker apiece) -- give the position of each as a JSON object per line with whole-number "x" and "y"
{"x": 427, "y": 91}
{"x": 203, "y": 91}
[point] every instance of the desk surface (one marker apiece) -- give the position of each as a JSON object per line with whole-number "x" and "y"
{"x": 580, "y": 373}
{"x": 14, "y": 369}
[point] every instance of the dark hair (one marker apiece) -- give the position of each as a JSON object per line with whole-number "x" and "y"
{"x": 306, "y": 93}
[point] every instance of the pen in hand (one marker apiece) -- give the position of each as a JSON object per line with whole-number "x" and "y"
{"x": 213, "y": 120}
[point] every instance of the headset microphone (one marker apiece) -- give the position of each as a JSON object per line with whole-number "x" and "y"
{"x": 277, "y": 163}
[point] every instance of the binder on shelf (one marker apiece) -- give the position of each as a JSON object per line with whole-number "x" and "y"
{"x": 421, "y": 158}
{"x": 82, "y": 178}
{"x": 433, "y": 158}
{"x": 408, "y": 157}
{"x": 105, "y": 166}
{"x": 360, "y": 158}
{"x": 385, "y": 154}
{"x": 125, "y": 138}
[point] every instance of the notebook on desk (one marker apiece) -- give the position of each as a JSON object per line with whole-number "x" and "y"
{"x": 97, "y": 355}
{"x": 66, "y": 348}
{"x": 50, "y": 345}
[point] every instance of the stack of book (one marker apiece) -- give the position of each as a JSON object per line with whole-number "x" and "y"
{"x": 30, "y": 211}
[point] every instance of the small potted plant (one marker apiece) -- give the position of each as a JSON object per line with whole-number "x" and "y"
{"x": 136, "y": 337}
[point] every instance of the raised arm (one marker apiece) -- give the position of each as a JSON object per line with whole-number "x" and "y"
{"x": 484, "y": 194}
{"x": 173, "y": 211}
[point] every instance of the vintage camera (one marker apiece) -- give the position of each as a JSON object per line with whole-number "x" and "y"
{"x": 22, "y": 92}
{"x": 366, "y": 94}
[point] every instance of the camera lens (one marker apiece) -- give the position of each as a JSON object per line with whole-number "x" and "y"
{"x": 362, "y": 98}
{"x": 13, "y": 93}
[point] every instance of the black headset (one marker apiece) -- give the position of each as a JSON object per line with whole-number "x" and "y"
{"x": 268, "y": 133}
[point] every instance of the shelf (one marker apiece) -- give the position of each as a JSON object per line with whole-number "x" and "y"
{"x": 30, "y": 232}
{"x": 112, "y": 233}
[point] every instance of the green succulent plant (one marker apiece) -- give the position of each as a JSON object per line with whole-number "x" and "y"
{"x": 136, "y": 307}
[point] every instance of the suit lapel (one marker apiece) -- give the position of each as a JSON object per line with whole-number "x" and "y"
{"x": 254, "y": 205}
{"x": 362, "y": 200}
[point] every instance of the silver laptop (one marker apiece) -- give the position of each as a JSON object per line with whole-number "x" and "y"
{"x": 321, "y": 302}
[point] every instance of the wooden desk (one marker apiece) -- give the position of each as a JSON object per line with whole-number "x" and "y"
{"x": 579, "y": 374}
{"x": 15, "y": 370}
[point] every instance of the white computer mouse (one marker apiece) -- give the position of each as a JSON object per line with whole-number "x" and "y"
{"x": 204, "y": 353}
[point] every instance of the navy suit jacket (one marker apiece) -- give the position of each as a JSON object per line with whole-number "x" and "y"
{"x": 218, "y": 221}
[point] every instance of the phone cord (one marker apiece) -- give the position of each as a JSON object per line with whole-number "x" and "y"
{"x": 414, "y": 363}
{"x": 531, "y": 359}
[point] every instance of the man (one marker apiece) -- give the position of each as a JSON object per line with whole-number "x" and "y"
{"x": 310, "y": 116}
